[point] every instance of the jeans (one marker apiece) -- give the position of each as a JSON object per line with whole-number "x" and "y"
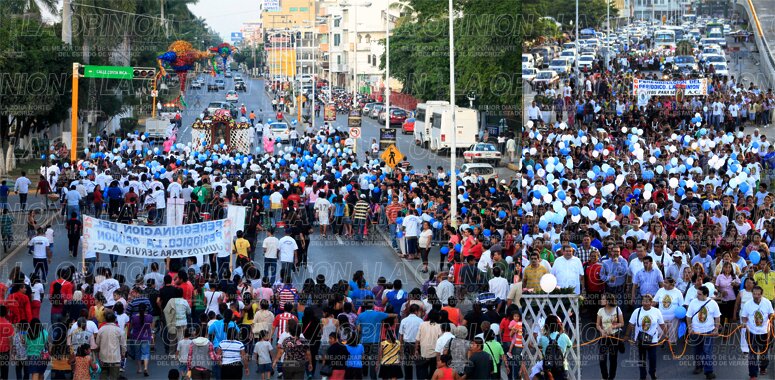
{"x": 5, "y": 358}
{"x": 409, "y": 360}
{"x": 23, "y": 201}
{"x": 287, "y": 268}
{"x": 223, "y": 263}
{"x": 41, "y": 267}
{"x": 703, "y": 352}
{"x": 651, "y": 352}
{"x": 270, "y": 269}
{"x": 358, "y": 230}
{"x": 72, "y": 242}
{"x": 757, "y": 343}
{"x": 74, "y": 209}
{"x": 392, "y": 228}
{"x": 411, "y": 245}
{"x": 277, "y": 216}
{"x": 110, "y": 371}
{"x": 425, "y": 367}
{"x": 22, "y": 372}
{"x": 609, "y": 352}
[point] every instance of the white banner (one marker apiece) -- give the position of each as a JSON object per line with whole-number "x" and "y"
{"x": 272, "y": 5}
{"x": 236, "y": 214}
{"x": 175, "y": 208}
{"x": 694, "y": 87}
{"x": 156, "y": 242}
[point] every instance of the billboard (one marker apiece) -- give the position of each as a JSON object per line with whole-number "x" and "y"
{"x": 693, "y": 87}
{"x": 272, "y": 5}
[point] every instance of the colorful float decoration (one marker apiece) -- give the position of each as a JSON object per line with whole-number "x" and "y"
{"x": 220, "y": 128}
{"x": 224, "y": 50}
{"x": 180, "y": 57}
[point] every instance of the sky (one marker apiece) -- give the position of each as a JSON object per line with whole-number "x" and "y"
{"x": 226, "y": 16}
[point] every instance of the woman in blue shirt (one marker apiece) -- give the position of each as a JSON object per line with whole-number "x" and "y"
{"x": 554, "y": 331}
{"x": 354, "y": 365}
{"x": 218, "y": 329}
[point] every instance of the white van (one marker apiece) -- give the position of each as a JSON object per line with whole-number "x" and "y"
{"x": 423, "y": 119}
{"x": 467, "y": 123}
{"x": 528, "y": 60}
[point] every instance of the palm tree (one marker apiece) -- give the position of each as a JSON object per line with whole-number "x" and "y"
{"x": 28, "y": 7}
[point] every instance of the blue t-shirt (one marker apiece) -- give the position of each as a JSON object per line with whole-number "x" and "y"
{"x": 339, "y": 210}
{"x": 4, "y": 189}
{"x": 216, "y": 330}
{"x": 356, "y": 354}
{"x": 358, "y": 295}
{"x": 392, "y": 298}
{"x": 370, "y": 322}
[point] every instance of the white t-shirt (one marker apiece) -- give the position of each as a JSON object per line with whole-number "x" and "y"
{"x": 107, "y": 287}
{"x": 122, "y": 320}
{"x": 287, "y": 247}
{"x": 412, "y": 225}
{"x": 425, "y": 238}
{"x": 39, "y": 245}
{"x": 567, "y": 272}
{"x": 500, "y": 287}
{"x": 37, "y": 291}
{"x": 668, "y": 300}
{"x": 90, "y": 327}
{"x": 703, "y": 314}
{"x": 758, "y": 315}
{"x": 270, "y": 247}
{"x": 647, "y": 321}
{"x": 212, "y": 298}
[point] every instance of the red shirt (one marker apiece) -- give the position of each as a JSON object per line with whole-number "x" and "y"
{"x": 67, "y": 289}
{"x": 18, "y": 305}
{"x": 280, "y": 322}
{"x": 6, "y": 333}
{"x": 188, "y": 292}
{"x": 592, "y": 278}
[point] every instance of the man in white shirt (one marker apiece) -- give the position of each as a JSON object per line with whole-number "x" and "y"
{"x": 323, "y": 211}
{"x": 569, "y": 270}
{"x": 411, "y": 226}
{"x": 499, "y": 285}
{"x": 757, "y": 314}
{"x": 270, "y": 246}
{"x": 445, "y": 289}
{"x": 407, "y": 332}
{"x": 668, "y": 298}
{"x": 703, "y": 317}
{"x": 444, "y": 338}
{"x": 534, "y": 113}
{"x": 107, "y": 287}
{"x": 649, "y": 326}
{"x": 41, "y": 253}
{"x": 288, "y": 254}
{"x": 22, "y": 187}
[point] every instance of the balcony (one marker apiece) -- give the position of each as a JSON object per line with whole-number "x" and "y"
{"x": 339, "y": 68}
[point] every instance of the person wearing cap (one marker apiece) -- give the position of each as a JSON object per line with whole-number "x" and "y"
{"x": 676, "y": 268}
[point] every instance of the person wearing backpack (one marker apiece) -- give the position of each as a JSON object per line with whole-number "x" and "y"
{"x": 495, "y": 349}
{"x": 554, "y": 346}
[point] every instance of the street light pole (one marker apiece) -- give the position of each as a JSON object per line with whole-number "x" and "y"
{"x": 355, "y": 60}
{"x": 578, "y": 49}
{"x": 387, "y": 69}
{"x": 453, "y": 175}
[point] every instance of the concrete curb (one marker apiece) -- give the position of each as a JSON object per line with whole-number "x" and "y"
{"x": 412, "y": 270}
{"x": 512, "y": 167}
{"x": 18, "y": 249}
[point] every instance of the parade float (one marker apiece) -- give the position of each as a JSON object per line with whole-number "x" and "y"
{"x": 221, "y": 129}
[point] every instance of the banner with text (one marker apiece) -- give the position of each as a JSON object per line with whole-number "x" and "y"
{"x": 272, "y": 5}
{"x": 693, "y": 87}
{"x": 157, "y": 242}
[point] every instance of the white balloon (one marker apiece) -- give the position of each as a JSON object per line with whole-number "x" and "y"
{"x": 592, "y": 191}
{"x": 548, "y": 283}
{"x": 547, "y": 198}
{"x": 592, "y": 216}
{"x": 652, "y": 160}
{"x": 673, "y": 182}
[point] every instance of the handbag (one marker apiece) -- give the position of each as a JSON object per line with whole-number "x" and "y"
{"x": 326, "y": 370}
{"x": 643, "y": 338}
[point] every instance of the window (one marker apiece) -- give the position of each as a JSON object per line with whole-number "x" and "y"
{"x": 294, "y": 9}
{"x": 374, "y": 59}
{"x": 368, "y": 58}
{"x": 338, "y": 59}
{"x": 337, "y": 39}
{"x": 367, "y": 38}
{"x": 337, "y": 22}
{"x": 303, "y": 9}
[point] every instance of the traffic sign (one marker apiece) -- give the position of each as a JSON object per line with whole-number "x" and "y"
{"x": 355, "y": 133}
{"x": 392, "y": 156}
{"x": 108, "y": 72}
{"x": 155, "y": 93}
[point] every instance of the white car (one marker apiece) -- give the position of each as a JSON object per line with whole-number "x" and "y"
{"x": 281, "y": 130}
{"x": 570, "y": 55}
{"x": 710, "y": 50}
{"x": 713, "y": 59}
{"x": 585, "y": 62}
{"x": 232, "y": 96}
{"x": 237, "y": 77}
{"x": 486, "y": 171}
{"x": 305, "y": 77}
{"x": 549, "y": 78}
{"x": 482, "y": 152}
{"x": 529, "y": 73}
{"x": 721, "y": 69}
{"x": 528, "y": 60}
{"x": 560, "y": 65}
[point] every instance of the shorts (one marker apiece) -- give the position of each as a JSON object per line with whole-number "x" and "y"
{"x": 139, "y": 349}
{"x": 36, "y": 366}
{"x": 264, "y": 368}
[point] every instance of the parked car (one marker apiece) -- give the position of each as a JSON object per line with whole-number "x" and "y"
{"x": 227, "y": 74}
{"x": 196, "y": 84}
{"x": 529, "y": 73}
{"x": 407, "y": 127}
{"x": 585, "y": 62}
{"x": 548, "y": 78}
{"x": 376, "y": 109}
{"x": 482, "y": 152}
{"x": 397, "y": 116}
{"x": 240, "y": 86}
{"x": 232, "y": 96}
{"x": 367, "y": 108}
{"x": 560, "y": 65}
{"x": 485, "y": 171}
{"x": 221, "y": 84}
{"x": 212, "y": 87}
{"x": 214, "y": 106}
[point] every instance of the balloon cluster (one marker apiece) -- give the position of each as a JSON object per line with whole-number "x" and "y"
{"x": 180, "y": 56}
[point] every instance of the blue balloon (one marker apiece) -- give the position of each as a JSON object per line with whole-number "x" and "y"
{"x": 596, "y": 170}
{"x": 376, "y": 190}
{"x": 337, "y": 175}
{"x": 492, "y": 190}
{"x": 680, "y": 312}
{"x": 502, "y": 214}
{"x": 440, "y": 183}
{"x": 626, "y": 210}
{"x": 744, "y": 187}
{"x": 399, "y": 220}
{"x": 575, "y": 211}
{"x": 706, "y": 205}
{"x": 399, "y": 234}
{"x": 458, "y": 247}
{"x": 599, "y": 211}
{"x": 464, "y": 210}
{"x": 406, "y": 178}
{"x": 486, "y": 232}
{"x": 543, "y": 224}
{"x": 680, "y": 191}
{"x": 755, "y": 257}
{"x": 681, "y": 329}
{"x": 444, "y": 250}
{"x": 349, "y": 187}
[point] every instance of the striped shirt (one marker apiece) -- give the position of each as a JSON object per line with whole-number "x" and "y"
{"x": 392, "y": 211}
{"x": 361, "y": 210}
{"x": 231, "y": 351}
{"x": 280, "y": 323}
{"x": 390, "y": 352}
{"x": 288, "y": 294}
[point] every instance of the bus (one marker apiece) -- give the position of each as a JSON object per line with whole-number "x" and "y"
{"x": 664, "y": 38}
{"x": 423, "y": 119}
{"x": 690, "y": 18}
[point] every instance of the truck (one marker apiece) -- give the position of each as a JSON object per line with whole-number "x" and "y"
{"x": 423, "y": 119}
{"x": 466, "y": 128}
{"x": 714, "y": 30}
{"x": 157, "y": 128}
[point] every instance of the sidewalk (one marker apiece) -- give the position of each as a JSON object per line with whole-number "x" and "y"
{"x": 19, "y": 229}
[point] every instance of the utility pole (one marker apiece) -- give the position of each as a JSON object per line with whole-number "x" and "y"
{"x": 387, "y": 69}
{"x": 67, "y": 22}
{"x": 452, "y": 158}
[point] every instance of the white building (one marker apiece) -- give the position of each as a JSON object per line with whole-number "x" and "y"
{"x": 655, "y": 9}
